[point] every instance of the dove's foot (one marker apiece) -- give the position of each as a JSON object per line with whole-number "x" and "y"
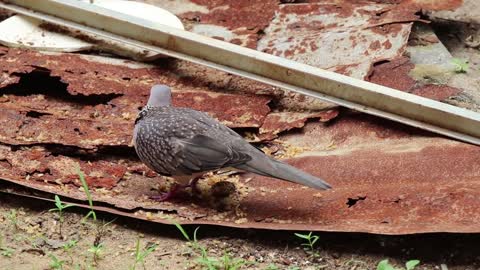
{"x": 174, "y": 190}
{"x": 193, "y": 185}
{"x": 165, "y": 196}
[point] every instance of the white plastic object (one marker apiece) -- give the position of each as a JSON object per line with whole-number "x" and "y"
{"x": 25, "y": 32}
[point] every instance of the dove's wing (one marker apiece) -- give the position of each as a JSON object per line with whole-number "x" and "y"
{"x": 203, "y": 153}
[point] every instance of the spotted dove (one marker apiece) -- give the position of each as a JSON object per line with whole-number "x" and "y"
{"x": 184, "y": 143}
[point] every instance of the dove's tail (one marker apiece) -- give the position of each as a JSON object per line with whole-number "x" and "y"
{"x": 267, "y": 166}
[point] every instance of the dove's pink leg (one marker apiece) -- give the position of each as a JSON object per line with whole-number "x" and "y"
{"x": 193, "y": 184}
{"x": 165, "y": 196}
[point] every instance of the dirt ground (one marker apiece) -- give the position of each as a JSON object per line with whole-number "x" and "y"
{"x": 30, "y": 235}
{"x": 30, "y": 239}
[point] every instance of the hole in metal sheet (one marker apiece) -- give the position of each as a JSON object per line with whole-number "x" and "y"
{"x": 35, "y": 114}
{"x": 352, "y": 201}
{"x": 41, "y": 82}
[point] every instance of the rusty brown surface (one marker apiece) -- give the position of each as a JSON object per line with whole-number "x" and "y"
{"x": 62, "y": 110}
{"x": 283, "y": 121}
{"x": 396, "y": 74}
{"x": 346, "y": 38}
{"x": 435, "y": 5}
{"x": 96, "y": 103}
{"x": 387, "y": 179}
{"x": 238, "y": 22}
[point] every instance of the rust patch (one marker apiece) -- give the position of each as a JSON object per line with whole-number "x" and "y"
{"x": 434, "y": 5}
{"x": 283, "y": 121}
{"x": 242, "y": 19}
{"x": 436, "y": 92}
{"x": 393, "y": 74}
{"x": 66, "y": 99}
{"x": 236, "y": 14}
{"x": 47, "y": 166}
{"x": 323, "y": 35}
{"x": 344, "y": 9}
{"x": 231, "y": 111}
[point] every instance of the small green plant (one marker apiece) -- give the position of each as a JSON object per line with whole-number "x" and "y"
{"x": 59, "y": 208}
{"x": 56, "y": 263}
{"x": 6, "y": 252}
{"x": 12, "y": 217}
{"x": 140, "y": 255}
{"x": 385, "y": 265}
{"x": 410, "y": 265}
{"x": 67, "y": 247}
{"x": 96, "y": 250}
{"x": 310, "y": 241}
{"x": 272, "y": 267}
{"x": 226, "y": 262}
{"x": 89, "y": 195}
{"x": 461, "y": 65}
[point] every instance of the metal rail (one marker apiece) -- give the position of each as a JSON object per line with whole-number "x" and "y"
{"x": 353, "y": 93}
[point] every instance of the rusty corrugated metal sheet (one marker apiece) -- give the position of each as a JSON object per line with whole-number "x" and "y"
{"x": 387, "y": 178}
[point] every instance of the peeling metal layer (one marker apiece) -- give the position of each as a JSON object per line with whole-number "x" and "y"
{"x": 346, "y": 38}
{"x": 283, "y": 121}
{"x": 69, "y": 100}
{"x": 47, "y": 165}
{"x": 238, "y": 22}
{"x": 387, "y": 179}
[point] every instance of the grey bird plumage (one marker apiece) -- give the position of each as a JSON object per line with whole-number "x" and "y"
{"x": 182, "y": 142}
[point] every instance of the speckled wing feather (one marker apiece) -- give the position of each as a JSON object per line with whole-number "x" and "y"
{"x": 202, "y": 153}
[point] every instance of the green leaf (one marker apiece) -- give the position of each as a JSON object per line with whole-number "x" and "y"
{"x": 412, "y": 264}
{"x": 384, "y": 265}
{"x": 315, "y": 239}
{"x": 65, "y": 206}
{"x": 195, "y": 234}
{"x": 58, "y": 203}
{"x": 182, "y": 230}
{"x": 461, "y": 66}
{"x": 137, "y": 250}
{"x": 303, "y": 236}
{"x": 87, "y": 192}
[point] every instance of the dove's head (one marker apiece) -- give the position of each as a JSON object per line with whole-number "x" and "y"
{"x": 160, "y": 95}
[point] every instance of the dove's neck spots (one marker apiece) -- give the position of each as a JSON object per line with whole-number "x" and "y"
{"x": 149, "y": 108}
